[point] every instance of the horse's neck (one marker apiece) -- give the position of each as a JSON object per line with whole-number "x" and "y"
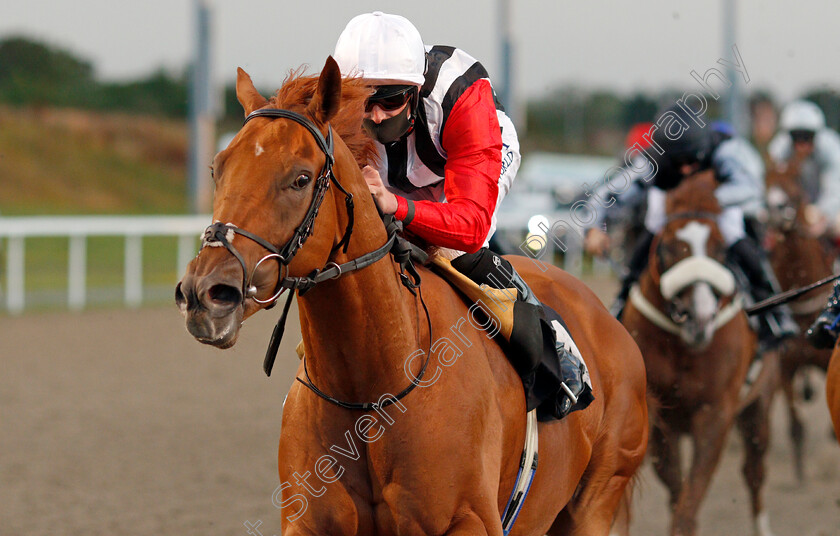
{"x": 358, "y": 329}
{"x": 799, "y": 258}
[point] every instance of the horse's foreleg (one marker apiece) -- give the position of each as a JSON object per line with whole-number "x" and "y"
{"x": 796, "y": 429}
{"x": 473, "y": 524}
{"x": 754, "y": 425}
{"x": 667, "y": 461}
{"x": 708, "y": 430}
{"x": 832, "y": 390}
{"x": 593, "y": 511}
{"x": 621, "y": 523}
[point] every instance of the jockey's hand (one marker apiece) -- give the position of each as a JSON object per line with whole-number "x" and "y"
{"x": 816, "y": 221}
{"x": 597, "y": 242}
{"x": 385, "y": 200}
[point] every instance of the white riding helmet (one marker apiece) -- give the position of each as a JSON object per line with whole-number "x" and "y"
{"x": 382, "y": 48}
{"x": 802, "y": 115}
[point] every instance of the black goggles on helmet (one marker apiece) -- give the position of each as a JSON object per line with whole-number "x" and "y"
{"x": 390, "y": 98}
{"x": 802, "y": 136}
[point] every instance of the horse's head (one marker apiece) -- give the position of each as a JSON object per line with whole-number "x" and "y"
{"x": 689, "y": 258}
{"x": 785, "y": 197}
{"x": 271, "y": 184}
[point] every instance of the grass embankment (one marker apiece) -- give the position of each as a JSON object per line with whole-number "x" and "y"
{"x": 58, "y": 161}
{"x": 55, "y": 161}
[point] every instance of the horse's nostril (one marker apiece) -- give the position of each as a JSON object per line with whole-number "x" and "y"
{"x": 224, "y": 295}
{"x": 179, "y": 295}
{"x": 180, "y": 298}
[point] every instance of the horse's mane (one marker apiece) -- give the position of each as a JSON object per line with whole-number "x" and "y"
{"x": 694, "y": 194}
{"x": 296, "y": 92}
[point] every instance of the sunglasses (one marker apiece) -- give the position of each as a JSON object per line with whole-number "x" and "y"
{"x": 391, "y": 101}
{"x": 802, "y": 136}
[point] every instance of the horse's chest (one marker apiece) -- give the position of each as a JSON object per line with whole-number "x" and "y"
{"x": 375, "y": 482}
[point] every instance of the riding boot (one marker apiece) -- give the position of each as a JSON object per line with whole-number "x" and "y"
{"x": 825, "y": 329}
{"x": 777, "y": 323}
{"x": 638, "y": 262}
{"x": 556, "y": 381}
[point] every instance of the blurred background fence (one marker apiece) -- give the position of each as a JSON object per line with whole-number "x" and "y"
{"x": 47, "y": 258}
{"x": 78, "y": 261}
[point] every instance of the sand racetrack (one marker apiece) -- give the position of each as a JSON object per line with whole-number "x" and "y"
{"x": 117, "y": 422}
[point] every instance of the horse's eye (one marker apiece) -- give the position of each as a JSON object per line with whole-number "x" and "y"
{"x": 301, "y": 182}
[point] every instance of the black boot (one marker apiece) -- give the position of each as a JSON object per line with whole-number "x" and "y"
{"x": 825, "y": 329}
{"x": 777, "y": 323}
{"x": 638, "y": 263}
{"x": 555, "y": 380}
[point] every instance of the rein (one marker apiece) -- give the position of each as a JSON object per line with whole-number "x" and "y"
{"x": 221, "y": 235}
{"x": 369, "y": 406}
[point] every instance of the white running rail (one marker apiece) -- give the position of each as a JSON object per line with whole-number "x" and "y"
{"x": 15, "y": 231}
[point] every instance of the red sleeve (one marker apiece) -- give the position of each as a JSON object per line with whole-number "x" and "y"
{"x": 472, "y": 140}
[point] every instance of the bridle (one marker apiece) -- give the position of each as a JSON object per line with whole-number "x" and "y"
{"x": 676, "y": 277}
{"x": 221, "y": 235}
{"x": 655, "y": 262}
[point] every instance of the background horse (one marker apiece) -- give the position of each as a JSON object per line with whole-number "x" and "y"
{"x": 798, "y": 259}
{"x": 443, "y": 458}
{"x": 685, "y": 315}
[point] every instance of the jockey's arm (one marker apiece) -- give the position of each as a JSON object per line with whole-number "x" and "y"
{"x": 827, "y": 147}
{"x": 779, "y": 148}
{"x": 741, "y": 179}
{"x": 604, "y": 201}
{"x": 472, "y": 140}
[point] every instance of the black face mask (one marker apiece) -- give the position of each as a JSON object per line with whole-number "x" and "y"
{"x": 392, "y": 129}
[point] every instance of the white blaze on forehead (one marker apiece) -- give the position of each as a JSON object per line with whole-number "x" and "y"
{"x": 696, "y": 235}
{"x": 259, "y": 149}
{"x": 696, "y": 267}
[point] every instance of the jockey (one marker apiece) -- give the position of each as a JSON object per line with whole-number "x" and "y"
{"x": 740, "y": 174}
{"x": 627, "y": 202}
{"x": 448, "y": 155}
{"x": 805, "y": 137}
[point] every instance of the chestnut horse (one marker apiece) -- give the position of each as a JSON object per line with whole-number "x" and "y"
{"x": 832, "y": 389}
{"x": 441, "y": 458}
{"x": 798, "y": 259}
{"x": 685, "y": 313}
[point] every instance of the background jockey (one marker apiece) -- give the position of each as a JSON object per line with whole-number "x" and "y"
{"x": 740, "y": 174}
{"x": 805, "y": 138}
{"x": 630, "y": 201}
{"x": 448, "y": 155}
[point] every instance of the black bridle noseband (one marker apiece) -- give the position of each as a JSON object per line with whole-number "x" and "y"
{"x": 221, "y": 235}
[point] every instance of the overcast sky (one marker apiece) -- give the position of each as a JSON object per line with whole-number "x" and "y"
{"x": 650, "y": 44}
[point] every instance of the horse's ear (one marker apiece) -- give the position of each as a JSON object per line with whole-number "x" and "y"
{"x": 327, "y": 98}
{"x": 247, "y": 94}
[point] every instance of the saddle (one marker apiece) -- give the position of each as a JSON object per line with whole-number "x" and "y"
{"x": 560, "y": 360}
